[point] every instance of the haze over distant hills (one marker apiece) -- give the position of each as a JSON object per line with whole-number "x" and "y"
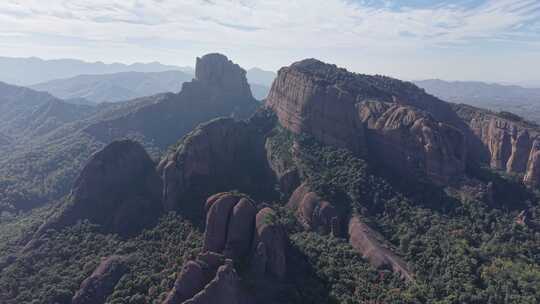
{"x": 30, "y": 71}
{"x": 496, "y": 97}
{"x": 83, "y": 82}
{"x": 115, "y": 87}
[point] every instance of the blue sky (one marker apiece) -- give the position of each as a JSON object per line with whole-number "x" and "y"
{"x": 489, "y": 40}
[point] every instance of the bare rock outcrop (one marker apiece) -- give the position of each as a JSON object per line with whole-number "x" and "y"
{"x": 97, "y": 287}
{"x": 368, "y": 244}
{"x": 270, "y": 243}
{"x": 235, "y": 234}
{"x": 532, "y": 175}
{"x": 413, "y": 141}
{"x": 220, "y": 89}
{"x": 315, "y": 213}
{"x": 118, "y": 189}
{"x": 319, "y": 215}
{"x": 306, "y": 102}
{"x": 220, "y": 155}
{"x": 510, "y": 142}
{"x": 336, "y": 107}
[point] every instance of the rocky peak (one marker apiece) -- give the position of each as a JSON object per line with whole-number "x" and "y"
{"x": 118, "y": 189}
{"x": 216, "y": 70}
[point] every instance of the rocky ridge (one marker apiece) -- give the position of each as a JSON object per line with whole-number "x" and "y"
{"x": 101, "y": 282}
{"x": 511, "y": 143}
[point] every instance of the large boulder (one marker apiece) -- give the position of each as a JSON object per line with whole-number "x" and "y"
{"x": 236, "y": 234}
{"x": 98, "y": 286}
{"x": 315, "y": 213}
{"x": 118, "y": 189}
{"x": 270, "y": 243}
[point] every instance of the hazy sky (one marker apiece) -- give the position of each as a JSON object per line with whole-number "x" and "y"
{"x": 491, "y": 40}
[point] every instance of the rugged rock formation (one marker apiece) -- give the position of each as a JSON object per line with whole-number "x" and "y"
{"x": 118, "y": 189}
{"x": 220, "y": 155}
{"x": 314, "y": 213}
{"x": 220, "y": 89}
{"x": 413, "y": 141}
{"x": 319, "y": 215}
{"x": 307, "y": 102}
{"x": 415, "y": 130}
{"x": 366, "y": 241}
{"x": 509, "y": 141}
{"x": 532, "y": 175}
{"x": 98, "y": 286}
{"x": 235, "y": 234}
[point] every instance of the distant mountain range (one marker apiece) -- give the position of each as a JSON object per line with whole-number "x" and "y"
{"x": 81, "y": 82}
{"x": 115, "y": 87}
{"x": 30, "y": 71}
{"x": 496, "y": 97}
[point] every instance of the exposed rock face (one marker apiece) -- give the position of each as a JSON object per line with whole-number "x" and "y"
{"x": 315, "y": 213}
{"x": 532, "y": 175}
{"x": 220, "y": 89}
{"x": 218, "y": 156}
{"x": 319, "y": 215}
{"x": 307, "y": 102}
{"x": 98, "y": 286}
{"x": 413, "y": 141}
{"x": 235, "y": 232}
{"x": 509, "y": 141}
{"x": 335, "y": 106}
{"x": 365, "y": 240}
{"x": 216, "y": 70}
{"x": 118, "y": 189}
{"x": 270, "y": 244}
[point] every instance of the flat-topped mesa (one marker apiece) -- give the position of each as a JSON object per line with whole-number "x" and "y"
{"x": 329, "y": 103}
{"x": 217, "y": 71}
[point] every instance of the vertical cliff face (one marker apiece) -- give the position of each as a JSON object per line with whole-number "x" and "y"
{"x": 217, "y": 71}
{"x": 374, "y": 116}
{"x": 510, "y": 142}
{"x": 307, "y": 102}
